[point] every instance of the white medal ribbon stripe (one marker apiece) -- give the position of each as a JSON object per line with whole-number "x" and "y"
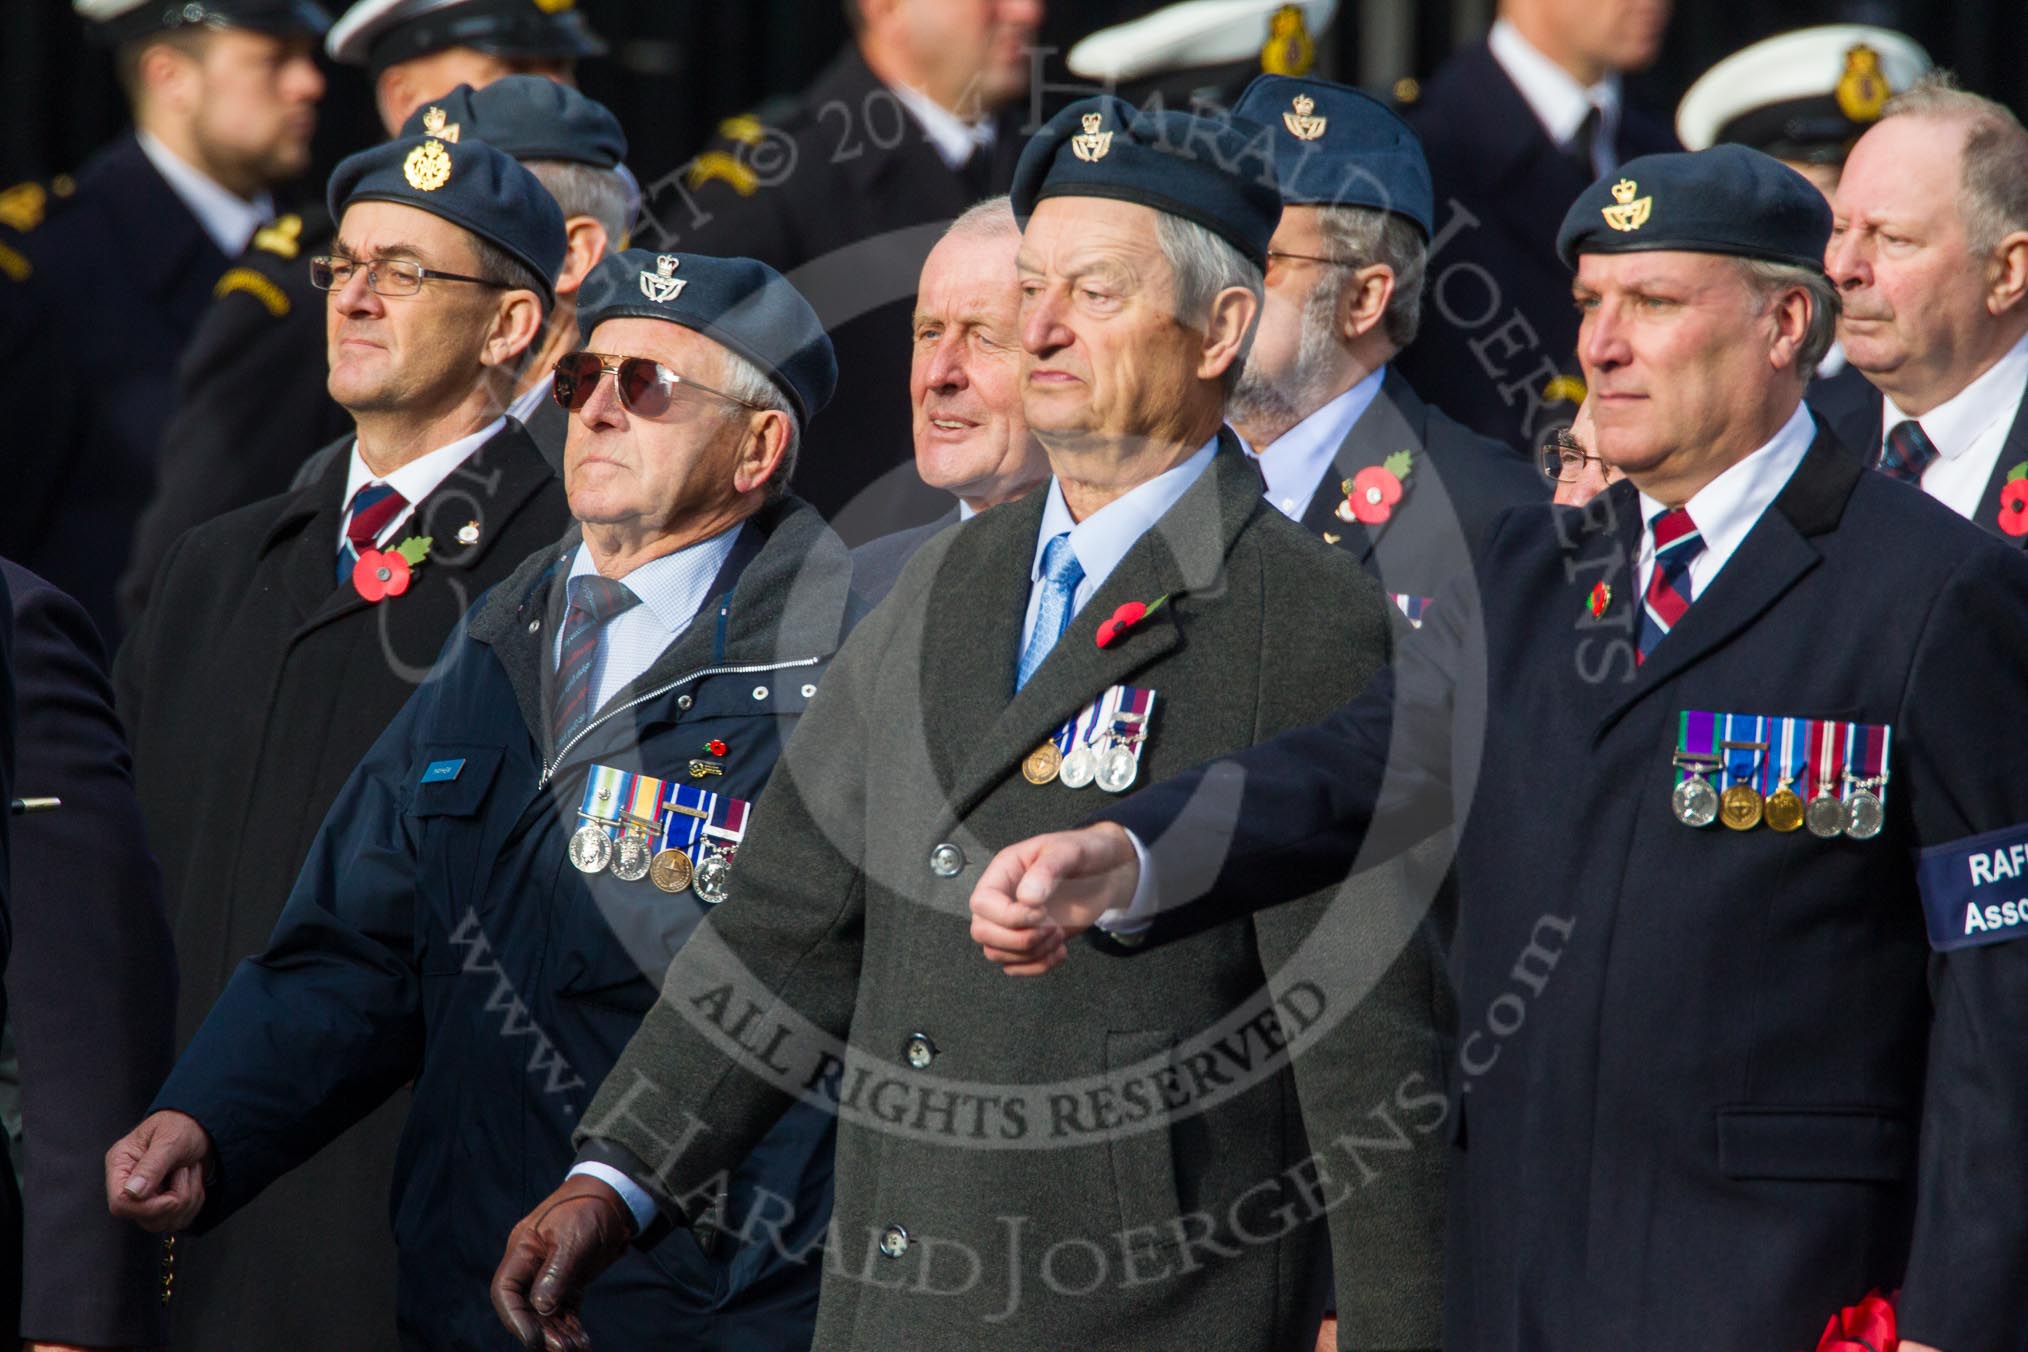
{"x": 1788, "y": 770}
{"x": 1886, "y": 749}
{"x": 731, "y": 826}
{"x": 682, "y": 830}
{"x": 1854, "y": 732}
{"x": 1827, "y": 753}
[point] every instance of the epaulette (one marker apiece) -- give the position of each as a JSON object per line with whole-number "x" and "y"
{"x": 280, "y": 238}
{"x": 253, "y": 283}
{"x": 25, "y": 205}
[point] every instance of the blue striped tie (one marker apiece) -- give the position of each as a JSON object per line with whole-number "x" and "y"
{"x": 1061, "y": 572}
{"x": 372, "y": 508}
{"x": 594, "y": 600}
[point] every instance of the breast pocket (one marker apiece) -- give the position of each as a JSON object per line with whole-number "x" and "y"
{"x": 449, "y": 788}
{"x": 1860, "y": 1145}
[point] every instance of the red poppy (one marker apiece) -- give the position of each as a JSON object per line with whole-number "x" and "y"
{"x": 2014, "y": 507}
{"x": 715, "y": 747}
{"x": 1126, "y": 617}
{"x": 380, "y": 574}
{"x": 1601, "y": 597}
{"x": 1865, "y": 1327}
{"x": 1375, "y": 490}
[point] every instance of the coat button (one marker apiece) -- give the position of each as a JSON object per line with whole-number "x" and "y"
{"x": 920, "y": 1051}
{"x": 893, "y": 1241}
{"x": 534, "y": 625}
{"x": 947, "y": 861}
{"x": 684, "y": 701}
{"x": 760, "y": 692}
{"x": 809, "y": 690}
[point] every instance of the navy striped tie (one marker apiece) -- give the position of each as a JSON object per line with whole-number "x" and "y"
{"x": 593, "y": 601}
{"x": 1906, "y": 452}
{"x": 372, "y": 508}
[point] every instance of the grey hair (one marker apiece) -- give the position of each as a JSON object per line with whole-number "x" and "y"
{"x": 990, "y": 219}
{"x": 582, "y": 190}
{"x": 1995, "y": 202}
{"x": 1363, "y": 236}
{"x": 1202, "y": 264}
{"x": 743, "y": 380}
{"x": 497, "y": 265}
{"x": 1769, "y": 281}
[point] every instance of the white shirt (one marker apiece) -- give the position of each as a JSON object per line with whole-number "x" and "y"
{"x": 525, "y": 403}
{"x": 414, "y": 481}
{"x": 1102, "y": 539}
{"x": 1297, "y": 461}
{"x": 1558, "y": 101}
{"x": 1969, "y": 429}
{"x": 671, "y": 589}
{"x": 954, "y": 139}
{"x": 228, "y": 218}
{"x": 1725, "y": 509}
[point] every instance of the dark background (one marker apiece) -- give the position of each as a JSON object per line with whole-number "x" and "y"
{"x": 680, "y": 65}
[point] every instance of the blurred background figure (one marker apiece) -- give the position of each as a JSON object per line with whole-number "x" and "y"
{"x": 107, "y": 280}
{"x": 1805, "y": 97}
{"x": 916, "y": 119}
{"x": 251, "y": 403}
{"x": 1515, "y": 127}
{"x": 1570, "y": 461}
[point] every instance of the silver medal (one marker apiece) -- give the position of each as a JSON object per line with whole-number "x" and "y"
{"x": 590, "y": 849}
{"x": 1079, "y": 767}
{"x": 1117, "y": 769}
{"x": 711, "y": 878}
{"x": 1864, "y": 815}
{"x": 1825, "y": 816}
{"x": 1695, "y": 802}
{"x": 631, "y": 858}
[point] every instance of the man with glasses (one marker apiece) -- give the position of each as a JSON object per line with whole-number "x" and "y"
{"x": 1346, "y": 446}
{"x": 491, "y": 901}
{"x": 1570, "y": 462}
{"x": 287, "y": 633}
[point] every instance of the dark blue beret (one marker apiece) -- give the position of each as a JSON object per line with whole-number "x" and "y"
{"x": 1214, "y": 171}
{"x": 529, "y": 117}
{"x": 742, "y": 304}
{"x": 469, "y": 184}
{"x": 1725, "y": 200}
{"x": 1337, "y": 147}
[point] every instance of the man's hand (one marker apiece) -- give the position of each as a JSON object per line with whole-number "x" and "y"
{"x": 155, "y": 1173}
{"x": 1327, "y": 1334}
{"x": 1038, "y": 895}
{"x": 552, "y": 1255}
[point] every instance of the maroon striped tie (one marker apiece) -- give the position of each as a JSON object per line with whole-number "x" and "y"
{"x": 372, "y": 508}
{"x": 593, "y": 601}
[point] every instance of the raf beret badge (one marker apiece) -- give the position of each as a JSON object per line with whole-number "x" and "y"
{"x": 434, "y": 124}
{"x": 1094, "y": 144}
{"x": 662, "y": 285}
{"x": 1627, "y": 212}
{"x": 428, "y": 166}
{"x": 1300, "y": 123}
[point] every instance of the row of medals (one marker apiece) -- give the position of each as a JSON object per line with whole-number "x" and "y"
{"x": 1113, "y": 768}
{"x": 1858, "y": 814}
{"x": 632, "y": 858}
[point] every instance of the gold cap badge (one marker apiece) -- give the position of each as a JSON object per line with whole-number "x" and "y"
{"x": 428, "y": 166}
{"x": 1628, "y": 211}
{"x": 434, "y": 125}
{"x": 663, "y": 285}
{"x": 1862, "y": 90}
{"x": 1300, "y": 124}
{"x": 1094, "y": 144}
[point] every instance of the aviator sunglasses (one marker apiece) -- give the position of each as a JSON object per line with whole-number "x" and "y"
{"x": 646, "y": 387}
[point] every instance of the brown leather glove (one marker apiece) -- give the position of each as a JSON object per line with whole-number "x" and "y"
{"x": 552, "y": 1256}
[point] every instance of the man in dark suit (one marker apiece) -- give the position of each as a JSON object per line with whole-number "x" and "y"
{"x": 492, "y": 897}
{"x": 935, "y": 739}
{"x": 1676, "y": 1128}
{"x": 917, "y": 119}
{"x": 108, "y": 280}
{"x": 285, "y": 635}
{"x": 10, "y": 1196}
{"x": 1345, "y": 445}
{"x": 91, "y": 984}
{"x": 964, "y": 385}
{"x": 1515, "y": 127}
{"x": 1931, "y": 257}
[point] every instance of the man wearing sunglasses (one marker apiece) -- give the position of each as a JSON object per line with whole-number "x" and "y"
{"x": 490, "y": 904}
{"x": 287, "y": 633}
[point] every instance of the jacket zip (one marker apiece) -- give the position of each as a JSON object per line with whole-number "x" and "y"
{"x": 549, "y": 767}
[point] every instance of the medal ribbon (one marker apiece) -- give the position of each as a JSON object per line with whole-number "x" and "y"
{"x": 1743, "y": 762}
{"x": 682, "y": 830}
{"x": 1827, "y": 753}
{"x": 1873, "y": 757}
{"x": 606, "y": 795}
{"x": 1081, "y": 727}
{"x": 1696, "y": 737}
{"x": 1780, "y": 765}
{"x": 644, "y": 803}
{"x": 729, "y": 820}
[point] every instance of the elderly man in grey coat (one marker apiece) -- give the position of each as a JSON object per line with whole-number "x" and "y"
{"x": 1192, "y": 1117}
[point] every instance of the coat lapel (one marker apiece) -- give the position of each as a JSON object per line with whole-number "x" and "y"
{"x": 2013, "y": 452}
{"x": 1184, "y": 554}
{"x": 1394, "y": 421}
{"x": 301, "y": 544}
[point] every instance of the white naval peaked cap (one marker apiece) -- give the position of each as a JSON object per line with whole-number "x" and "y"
{"x": 1192, "y": 33}
{"x": 1807, "y": 63}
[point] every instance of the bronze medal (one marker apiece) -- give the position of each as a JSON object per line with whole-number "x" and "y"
{"x": 1783, "y": 809}
{"x": 1739, "y": 807}
{"x": 1042, "y": 764}
{"x": 670, "y": 871}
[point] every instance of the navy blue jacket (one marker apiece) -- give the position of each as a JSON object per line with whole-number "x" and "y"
{"x": 438, "y": 934}
{"x": 1712, "y": 1085}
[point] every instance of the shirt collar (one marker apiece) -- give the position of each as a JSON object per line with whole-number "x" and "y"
{"x": 229, "y": 219}
{"x": 1296, "y": 461}
{"x": 954, "y": 139}
{"x": 525, "y": 403}
{"x": 1102, "y": 539}
{"x": 1558, "y": 101}
{"x": 674, "y": 586}
{"x": 419, "y": 477}
{"x": 1957, "y": 423}
{"x": 1725, "y": 509}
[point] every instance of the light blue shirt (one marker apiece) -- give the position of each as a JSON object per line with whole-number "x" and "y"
{"x": 671, "y": 589}
{"x": 1297, "y": 461}
{"x": 1102, "y": 539}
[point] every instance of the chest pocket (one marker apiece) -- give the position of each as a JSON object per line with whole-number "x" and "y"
{"x": 450, "y": 785}
{"x": 451, "y": 779}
